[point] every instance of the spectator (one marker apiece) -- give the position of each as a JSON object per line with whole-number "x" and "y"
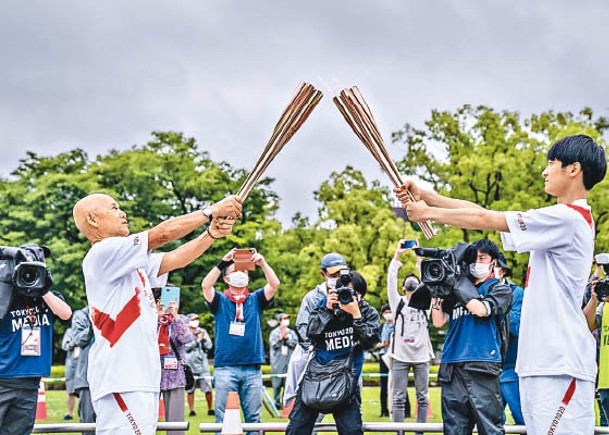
{"x": 239, "y": 348}
{"x": 125, "y": 373}
{"x": 196, "y": 359}
{"x": 173, "y": 335}
{"x": 82, "y": 330}
{"x": 331, "y": 265}
{"x": 26, "y": 348}
{"x": 72, "y": 353}
{"x": 597, "y": 316}
{"x": 508, "y": 380}
{"x": 386, "y": 332}
{"x": 282, "y": 341}
{"x": 360, "y": 323}
{"x": 471, "y": 358}
{"x": 556, "y": 364}
{"x": 411, "y": 345}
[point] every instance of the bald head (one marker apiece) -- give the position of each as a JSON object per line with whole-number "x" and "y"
{"x": 98, "y": 216}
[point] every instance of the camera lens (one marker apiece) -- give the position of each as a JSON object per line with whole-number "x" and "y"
{"x": 29, "y": 276}
{"x": 434, "y": 271}
{"x": 344, "y": 296}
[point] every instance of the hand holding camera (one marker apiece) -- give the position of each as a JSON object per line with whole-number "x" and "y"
{"x": 601, "y": 287}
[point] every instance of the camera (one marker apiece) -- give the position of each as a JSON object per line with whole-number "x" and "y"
{"x": 602, "y": 288}
{"x": 344, "y": 293}
{"x": 443, "y": 271}
{"x": 22, "y": 271}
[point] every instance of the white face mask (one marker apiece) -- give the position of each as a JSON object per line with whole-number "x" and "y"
{"x": 285, "y": 322}
{"x": 480, "y": 270}
{"x": 388, "y": 317}
{"x": 331, "y": 283}
{"x": 238, "y": 279}
{"x": 193, "y": 323}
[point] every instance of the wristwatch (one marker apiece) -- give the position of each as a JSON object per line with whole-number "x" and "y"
{"x": 207, "y": 212}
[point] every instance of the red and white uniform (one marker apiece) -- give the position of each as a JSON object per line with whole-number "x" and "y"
{"x": 119, "y": 273}
{"x": 554, "y": 338}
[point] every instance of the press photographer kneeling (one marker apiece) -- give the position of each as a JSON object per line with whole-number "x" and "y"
{"x": 27, "y": 310}
{"x": 466, "y": 294}
{"x": 340, "y": 328}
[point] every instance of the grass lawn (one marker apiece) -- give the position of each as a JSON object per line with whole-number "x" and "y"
{"x": 56, "y": 408}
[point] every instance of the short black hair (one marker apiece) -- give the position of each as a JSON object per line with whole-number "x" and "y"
{"x": 582, "y": 149}
{"x": 385, "y": 307}
{"x": 359, "y": 283}
{"x": 487, "y": 247}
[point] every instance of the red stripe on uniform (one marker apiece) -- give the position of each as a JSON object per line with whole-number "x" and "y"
{"x": 526, "y": 281}
{"x": 112, "y": 330}
{"x": 120, "y": 401}
{"x": 584, "y": 212}
{"x": 570, "y": 392}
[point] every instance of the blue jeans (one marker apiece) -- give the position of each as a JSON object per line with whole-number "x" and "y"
{"x": 245, "y": 380}
{"x": 510, "y": 395}
{"x": 604, "y": 405}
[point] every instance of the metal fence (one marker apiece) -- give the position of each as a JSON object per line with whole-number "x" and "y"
{"x": 90, "y": 427}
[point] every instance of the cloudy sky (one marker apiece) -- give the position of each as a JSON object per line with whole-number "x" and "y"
{"x": 104, "y": 74}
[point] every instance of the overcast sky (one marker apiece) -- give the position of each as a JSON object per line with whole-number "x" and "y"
{"x": 105, "y": 74}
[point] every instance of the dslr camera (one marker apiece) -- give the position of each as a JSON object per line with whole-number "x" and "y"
{"x": 443, "y": 271}
{"x": 602, "y": 287}
{"x": 344, "y": 293}
{"x": 22, "y": 272}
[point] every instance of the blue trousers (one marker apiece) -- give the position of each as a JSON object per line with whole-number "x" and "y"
{"x": 510, "y": 395}
{"x": 247, "y": 381}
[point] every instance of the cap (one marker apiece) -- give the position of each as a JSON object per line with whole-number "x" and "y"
{"x": 503, "y": 264}
{"x": 280, "y": 316}
{"x": 192, "y": 316}
{"x": 333, "y": 262}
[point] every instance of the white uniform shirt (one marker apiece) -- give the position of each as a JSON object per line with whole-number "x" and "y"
{"x": 119, "y": 272}
{"x": 554, "y": 336}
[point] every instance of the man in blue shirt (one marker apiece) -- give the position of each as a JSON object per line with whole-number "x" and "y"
{"x": 238, "y": 334}
{"x": 26, "y": 348}
{"x": 472, "y": 354}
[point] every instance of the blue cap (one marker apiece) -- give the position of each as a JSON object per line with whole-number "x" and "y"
{"x": 333, "y": 262}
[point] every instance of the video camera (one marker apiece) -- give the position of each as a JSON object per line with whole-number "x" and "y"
{"x": 602, "y": 287}
{"x": 22, "y": 271}
{"x": 344, "y": 293}
{"x": 443, "y": 271}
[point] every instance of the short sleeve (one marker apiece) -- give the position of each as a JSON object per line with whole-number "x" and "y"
{"x": 154, "y": 264}
{"x": 118, "y": 257}
{"x": 541, "y": 229}
{"x": 215, "y": 302}
{"x": 262, "y": 302}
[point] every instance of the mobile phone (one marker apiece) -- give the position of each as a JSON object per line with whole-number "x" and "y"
{"x": 407, "y": 244}
{"x": 170, "y": 294}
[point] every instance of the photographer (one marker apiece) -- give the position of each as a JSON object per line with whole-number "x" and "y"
{"x": 597, "y": 315}
{"x": 26, "y": 344}
{"x": 340, "y": 330}
{"x": 411, "y": 345}
{"x": 472, "y": 353}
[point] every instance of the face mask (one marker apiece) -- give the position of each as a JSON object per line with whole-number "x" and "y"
{"x": 238, "y": 279}
{"x": 285, "y": 322}
{"x": 332, "y": 282}
{"x": 480, "y": 270}
{"x": 388, "y": 317}
{"x": 193, "y": 323}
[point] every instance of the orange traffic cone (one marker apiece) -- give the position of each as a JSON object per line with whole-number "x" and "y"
{"x": 161, "y": 407}
{"x": 231, "y": 425}
{"x": 41, "y": 404}
{"x": 429, "y": 414}
{"x": 287, "y": 408}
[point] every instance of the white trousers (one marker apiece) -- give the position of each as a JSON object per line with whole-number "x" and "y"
{"x": 557, "y": 405}
{"x": 133, "y": 413}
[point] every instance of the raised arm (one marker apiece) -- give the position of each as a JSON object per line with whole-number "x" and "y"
{"x": 272, "y": 282}
{"x": 57, "y": 306}
{"x": 189, "y": 252}
{"x": 178, "y": 227}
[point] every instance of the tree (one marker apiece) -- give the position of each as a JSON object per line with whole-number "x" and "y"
{"x": 495, "y": 159}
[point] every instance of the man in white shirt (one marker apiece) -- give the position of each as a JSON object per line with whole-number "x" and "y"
{"x": 119, "y": 269}
{"x": 556, "y": 353}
